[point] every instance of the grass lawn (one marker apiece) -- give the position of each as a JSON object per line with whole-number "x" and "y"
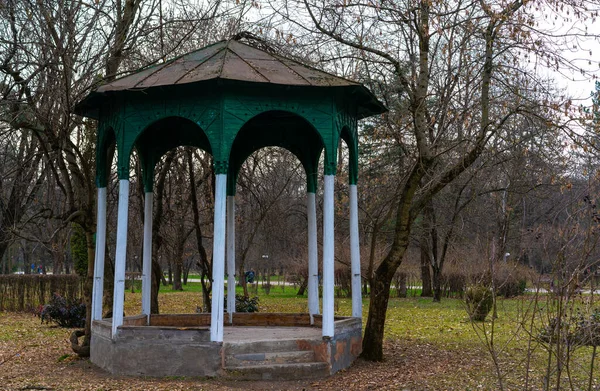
{"x": 428, "y": 346}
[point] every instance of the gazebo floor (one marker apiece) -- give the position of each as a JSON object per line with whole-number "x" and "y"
{"x": 244, "y": 334}
{"x": 255, "y": 346}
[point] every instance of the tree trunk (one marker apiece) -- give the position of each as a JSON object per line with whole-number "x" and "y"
{"x": 178, "y": 258}
{"x": 437, "y": 284}
{"x": 3, "y": 256}
{"x": 243, "y": 281}
{"x": 381, "y": 282}
{"x": 429, "y": 252}
{"x": 157, "y": 276}
{"x": 425, "y": 272}
{"x": 206, "y": 289}
{"x": 186, "y": 273}
{"x": 177, "y": 269}
{"x": 303, "y": 286}
{"x": 109, "y": 281}
{"x": 371, "y": 266}
{"x": 83, "y": 350}
{"x": 373, "y": 340}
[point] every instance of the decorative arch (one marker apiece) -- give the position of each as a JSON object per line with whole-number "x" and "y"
{"x": 161, "y": 136}
{"x": 277, "y": 128}
{"x": 106, "y": 147}
{"x": 352, "y": 143}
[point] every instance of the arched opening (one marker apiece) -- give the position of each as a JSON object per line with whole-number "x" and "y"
{"x": 164, "y": 135}
{"x": 290, "y": 131}
{"x": 271, "y": 223}
{"x": 277, "y": 128}
{"x": 182, "y": 217}
{"x": 348, "y": 273}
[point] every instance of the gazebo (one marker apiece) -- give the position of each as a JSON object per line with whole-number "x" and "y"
{"x": 229, "y": 99}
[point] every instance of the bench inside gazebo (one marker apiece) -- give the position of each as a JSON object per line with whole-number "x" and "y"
{"x": 229, "y": 99}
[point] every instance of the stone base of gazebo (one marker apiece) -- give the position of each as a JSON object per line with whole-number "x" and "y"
{"x": 255, "y": 346}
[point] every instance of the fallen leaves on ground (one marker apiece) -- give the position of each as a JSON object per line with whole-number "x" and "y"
{"x": 36, "y": 356}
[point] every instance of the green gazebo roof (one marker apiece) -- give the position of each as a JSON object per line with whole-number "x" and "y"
{"x": 234, "y": 61}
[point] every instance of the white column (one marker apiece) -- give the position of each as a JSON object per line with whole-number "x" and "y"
{"x": 230, "y": 256}
{"x": 313, "y": 257}
{"x": 328, "y": 253}
{"x": 147, "y": 255}
{"x": 216, "y": 316}
{"x": 121, "y": 256}
{"x": 355, "y": 254}
{"x": 98, "y": 289}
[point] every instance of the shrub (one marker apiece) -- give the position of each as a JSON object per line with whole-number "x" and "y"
{"x": 512, "y": 287}
{"x": 244, "y": 304}
{"x": 64, "y": 312}
{"x": 509, "y": 284}
{"x": 576, "y": 330}
{"x": 479, "y": 302}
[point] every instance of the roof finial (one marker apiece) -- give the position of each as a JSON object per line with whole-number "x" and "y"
{"x": 254, "y": 40}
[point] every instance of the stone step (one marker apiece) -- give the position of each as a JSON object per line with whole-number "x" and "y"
{"x": 284, "y": 345}
{"x": 252, "y": 359}
{"x": 292, "y": 371}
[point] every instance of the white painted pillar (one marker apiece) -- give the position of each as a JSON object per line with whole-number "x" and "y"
{"x": 121, "y": 256}
{"x": 313, "y": 257}
{"x": 328, "y": 253}
{"x": 98, "y": 290}
{"x": 216, "y": 316}
{"x": 147, "y": 254}
{"x": 230, "y": 257}
{"x": 355, "y": 254}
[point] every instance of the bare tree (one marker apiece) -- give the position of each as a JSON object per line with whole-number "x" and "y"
{"x": 449, "y": 72}
{"x": 52, "y": 54}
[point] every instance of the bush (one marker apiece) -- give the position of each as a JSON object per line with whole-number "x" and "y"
{"x": 64, "y": 312}
{"x": 244, "y": 304}
{"x": 509, "y": 284}
{"x": 512, "y": 287}
{"x": 576, "y": 330}
{"x": 479, "y": 302}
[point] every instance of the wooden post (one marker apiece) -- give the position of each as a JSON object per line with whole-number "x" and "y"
{"x": 120, "y": 256}
{"x": 313, "y": 258}
{"x": 216, "y": 319}
{"x": 147, "y": 254}
{"x": 355, "y": 254}
{"x": 97, "y": 290}
{"x": 328, "y": 254}
{"x": 230, "y": 257}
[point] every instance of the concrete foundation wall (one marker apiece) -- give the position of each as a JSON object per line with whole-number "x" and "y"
{"x": 141, "y": 350}
{"x": 341, "y": 350}
{"x": 346, "y": 345}
{"x": 156, "y": 351}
